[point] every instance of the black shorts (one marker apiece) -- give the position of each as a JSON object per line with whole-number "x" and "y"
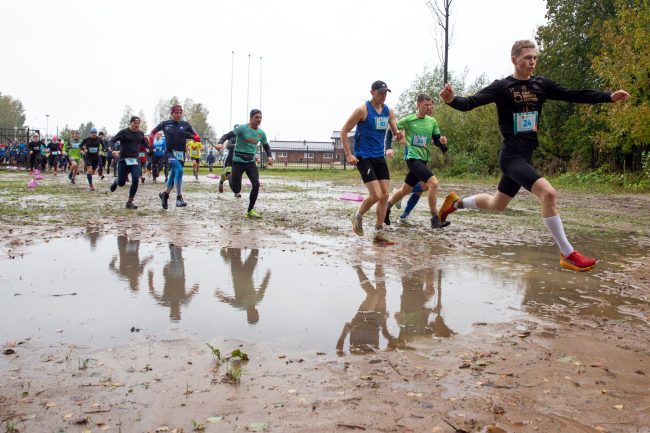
{"x": 373, "y": 169}
{"x": 53, "y": 160}
{"x": 418, "y": 172}
{"x": 517, "y": 172}
{"x": 92, "y": 162}
{"x": 197, "y": 160}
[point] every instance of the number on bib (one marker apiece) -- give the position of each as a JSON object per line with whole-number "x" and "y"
{"x": 525, "y": 122}
{"x": 131, "y": 161}
{"x": 381, "y": 122}
{"x": 419, "y": 140}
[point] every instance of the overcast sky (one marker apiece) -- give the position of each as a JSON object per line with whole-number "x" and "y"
{"x": 82, "y": 61}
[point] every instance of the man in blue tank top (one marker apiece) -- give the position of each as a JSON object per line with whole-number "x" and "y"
{"x": 371, "y": 121}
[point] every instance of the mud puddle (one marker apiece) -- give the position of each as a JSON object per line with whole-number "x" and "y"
{"x": 103, "y": 291}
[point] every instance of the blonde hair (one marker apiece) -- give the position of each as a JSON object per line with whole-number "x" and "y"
{"x": 519, "y": 46}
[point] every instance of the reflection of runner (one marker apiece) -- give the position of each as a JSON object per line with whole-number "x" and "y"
{"x": 246, "y": 296}
{"x": 130, "y": 267}
{"x": 371, "y": 121}
{"x": 130, "y": 140}
{"x": 243, "y": 160}
{"x": 519, "y": 99}
{"x": 370, "y": 320}
{"x": 174, "y": 294}
{"x": 420, "y": 130}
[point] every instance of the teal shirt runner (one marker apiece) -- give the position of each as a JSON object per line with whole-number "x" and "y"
{"x": 246, "y": 145}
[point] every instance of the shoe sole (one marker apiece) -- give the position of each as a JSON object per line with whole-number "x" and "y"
{"x": 449, "y": 201}
{"x": 572, "y": 267}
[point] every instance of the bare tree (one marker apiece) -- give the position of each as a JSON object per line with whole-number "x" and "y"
{"x": 441, "y": 9}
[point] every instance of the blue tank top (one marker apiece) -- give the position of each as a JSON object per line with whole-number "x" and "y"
{"x": 369, "y": 136}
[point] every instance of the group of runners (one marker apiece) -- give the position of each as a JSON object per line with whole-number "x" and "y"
{"x": 518, "y": 98}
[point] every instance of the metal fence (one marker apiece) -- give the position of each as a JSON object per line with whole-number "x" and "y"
{"x": 10, "y": 151}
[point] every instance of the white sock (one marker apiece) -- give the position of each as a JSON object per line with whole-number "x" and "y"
{"x": 468, "y": 203}
{"x": 554, "y": 225}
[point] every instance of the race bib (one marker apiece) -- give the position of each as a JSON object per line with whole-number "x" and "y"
{"x": 131, "y": 161}
{"x": 93, "y": 149}
{"x": 381, "y": 122}
{"x": 525, "y": 122}
{"x": 419, "y": 140}
{"x": 141, "y": 154}
{"x": 179, "y": 155}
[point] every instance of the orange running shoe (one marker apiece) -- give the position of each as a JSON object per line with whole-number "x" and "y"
{"x": 577, "y": 262}
{"x": 448, "y": 206}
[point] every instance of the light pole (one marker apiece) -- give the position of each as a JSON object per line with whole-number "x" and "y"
{"x": 232, "y": 69}
{"x": 47, "y": 126}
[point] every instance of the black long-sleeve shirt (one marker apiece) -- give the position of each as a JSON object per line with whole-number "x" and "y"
{"x": 516, "y": 98}
{"x": 130, "y": 142}
{"x": 92, "y": 146}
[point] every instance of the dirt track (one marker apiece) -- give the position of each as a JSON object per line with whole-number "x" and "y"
{"x": 564, "y": 368}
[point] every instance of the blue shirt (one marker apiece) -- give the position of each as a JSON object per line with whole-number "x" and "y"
{"x": 369, "y": 136}
{"x": 159, "y": 147}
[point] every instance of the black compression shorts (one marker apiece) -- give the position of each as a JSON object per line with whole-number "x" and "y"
{"x": 373, "y": 169}
{"x": 418, "y": 172}
{"x": 517, "y": 172}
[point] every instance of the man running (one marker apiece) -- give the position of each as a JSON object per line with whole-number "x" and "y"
{"x": 243, "y": 160}
{"x": 227, "y": 164}
{"x": 371, "y": 121}
{"x": 71, "y": 148}
{"x": 54, "y": 147}
{"x": 194, "y": 149}
{"x": 157, "y": 157}
{"x": 519, "y": 99}
{"x": 420, "y": 131}
{"x": 34, "y": 148}
{"x": 91, "y": 147}
{"x": 177, "y": 132}
{"x": 102, "y": 155}
{"x": 130, "y": 140}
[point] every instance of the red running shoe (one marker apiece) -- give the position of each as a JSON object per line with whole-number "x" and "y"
{"x": 448, "y": 206}
{"x": 577, "y": 262}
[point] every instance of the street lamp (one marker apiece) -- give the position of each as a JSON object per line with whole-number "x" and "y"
{"x": 47, "y": 126}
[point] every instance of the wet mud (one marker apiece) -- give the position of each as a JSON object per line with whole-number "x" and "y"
{"x": 112, "y": 318}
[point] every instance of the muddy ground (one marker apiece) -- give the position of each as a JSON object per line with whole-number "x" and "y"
{"x": 559, "y": 369}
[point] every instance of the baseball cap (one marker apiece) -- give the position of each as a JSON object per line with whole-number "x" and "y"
{"x": 380, "y": 86}
{"x": 93, "y": 130}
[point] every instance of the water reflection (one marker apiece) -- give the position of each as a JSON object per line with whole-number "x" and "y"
{"x": 129, "y": 266}
{"x": 174, "y": 293}
{"x": 246, "y": 296}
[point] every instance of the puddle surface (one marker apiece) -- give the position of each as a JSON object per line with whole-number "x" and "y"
{"x": 93, "y": 290}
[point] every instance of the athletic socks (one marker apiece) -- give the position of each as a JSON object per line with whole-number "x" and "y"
{"x": 467, "y": 203}
{"x": 554, "y": 225}
{"x": 90, "y": 179}
{"x": 410, "y": 204}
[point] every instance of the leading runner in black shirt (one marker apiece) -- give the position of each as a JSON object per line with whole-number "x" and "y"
{"x": 519, "y": 99}
{"x": 130, "y": 140}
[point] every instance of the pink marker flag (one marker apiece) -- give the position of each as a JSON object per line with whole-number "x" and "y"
{"x": 352, "y": 197}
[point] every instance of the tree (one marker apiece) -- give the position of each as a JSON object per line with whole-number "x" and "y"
{"x": 163, "y": 108}
{"x": 126, "y": 117}
{"x": 84, "y": 129}
{"x": 193, "y": 112}
{"x": 12, "y": 112}
{"x": 441, "y": 12}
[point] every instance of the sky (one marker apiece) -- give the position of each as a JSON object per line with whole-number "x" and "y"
{"x": 311, "y": 63}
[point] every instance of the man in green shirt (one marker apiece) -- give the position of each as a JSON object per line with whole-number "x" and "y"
{"x": 420, "y": 131}
{"x": 72, "y": 149}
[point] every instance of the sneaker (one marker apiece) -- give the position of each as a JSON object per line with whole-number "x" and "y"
{"x": 130, "y": 205}
{"x": 357, "y": 224}
{"x": 405, "y": 222}
{"x": 220, "y": 186}
{"x": 238, "y": 195}
{"x": 113, "y": 186}
{"x": 381, "y": 237}
{"x": 101, "y": 177}
{"x": 448, "y": 206}
{"x": 92, "y": 187}
{"x": 577, "y": 262}
{"x": 142, "y": 180}
{"x": 387, "y": 216}
{"x": 163, "y": 198}
{"x": 72, "y": 179}
{"x": 253, "y": 214}
{"x": 436, "y": 224}
{"x": 180, "y": 202}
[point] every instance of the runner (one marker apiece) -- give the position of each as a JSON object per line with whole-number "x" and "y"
{"x": 210, "y": 160}
{"x": 102, "y": 155}
{"x": 420, "y": 129}
{"x": 143, "y": 159}
{"x": 130, "y": 140}
{"x": 194, "y": 149}
{"x": 34, "y": 148}
{"x": 71, "y": 148}
{"x": 44, "y": 152}
{"x": 91, "y": 147}
{"x": 157, "y": 158}
{"x": 55, "y": 149}
{"x": 243, "y": 160}
{"x": 227, "y": 164}
{"x": 519, "y": 99}
{"x": 176, "y": 132}
{"x": 371, "y": 120}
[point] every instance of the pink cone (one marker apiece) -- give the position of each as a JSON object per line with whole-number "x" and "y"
{"x": 352, "y": 197}
{"x": 39, "y": 177}
{"x": 213, "y": 176}
{"x": 32, "y": 184}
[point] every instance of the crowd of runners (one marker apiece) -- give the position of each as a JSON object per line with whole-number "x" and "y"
{"x": 518, "y": 98}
